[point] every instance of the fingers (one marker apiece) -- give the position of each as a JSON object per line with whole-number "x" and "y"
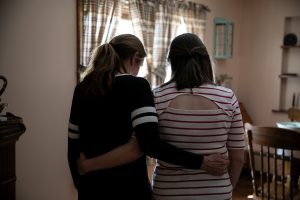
{"x": 215, "y": 164}
{"x": 218, "y": 172}
{"x": 82, "y": 156}
{"x": 80, "y": 163}
{"x": 219, "y": 159}
{"x": 81, "y": 159}
{"x": 133, "y": 137}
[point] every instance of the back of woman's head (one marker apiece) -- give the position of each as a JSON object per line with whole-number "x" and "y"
{"x": 126, "y": 45}
{"x": 107, "y": 60}
{"x": 190, "y": 62}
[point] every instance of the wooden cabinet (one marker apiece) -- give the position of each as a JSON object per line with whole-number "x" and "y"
{"x": 290, "y": 67}
{"x": 10, "y": 132}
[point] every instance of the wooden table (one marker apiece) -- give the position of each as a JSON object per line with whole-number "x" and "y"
{"x": 295, "y": 126}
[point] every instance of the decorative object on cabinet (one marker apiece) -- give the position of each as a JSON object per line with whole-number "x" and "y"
{"x": 290, "y": 66}
{"x": 223, "y": 38}
{"x": 3, "y": 87}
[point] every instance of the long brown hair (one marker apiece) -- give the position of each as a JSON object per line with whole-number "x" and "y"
{"x": 107, "y": 60}
{"x": 190, "y": 62}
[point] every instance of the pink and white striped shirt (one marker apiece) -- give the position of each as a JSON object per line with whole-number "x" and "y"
{"x": 200, "y": 132}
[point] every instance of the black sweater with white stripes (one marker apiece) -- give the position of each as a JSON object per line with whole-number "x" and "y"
{"x": 99, "y": 124}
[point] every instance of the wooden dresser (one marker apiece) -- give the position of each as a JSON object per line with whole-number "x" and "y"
{"x": 10, "y": 131}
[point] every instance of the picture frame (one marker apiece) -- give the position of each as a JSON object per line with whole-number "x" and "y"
{"x": 223, "y": 38}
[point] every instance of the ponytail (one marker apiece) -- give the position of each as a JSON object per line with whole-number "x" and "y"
{"x": 107, "y": 60}
{"x": 190, "y": 62}
{"x": 103, "y": 65}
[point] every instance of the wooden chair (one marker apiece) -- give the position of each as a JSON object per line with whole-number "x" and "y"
{"x": 246, "y": 119}
{"x": 294, "y": 114}
{"x": 271, "y": 160}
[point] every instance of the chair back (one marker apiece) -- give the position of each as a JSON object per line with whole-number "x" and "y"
{"x": 294, "y": 114}
{"x": 271, "y": 153}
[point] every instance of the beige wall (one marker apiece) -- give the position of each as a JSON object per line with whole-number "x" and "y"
{"x": 260, "y": 58}
{"x": 38, "y": 57}
{"x": 230, "y": 10}
{"x": 256, "y": 61}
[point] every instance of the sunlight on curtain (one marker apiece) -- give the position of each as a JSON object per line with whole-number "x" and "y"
{"x": 181, "y": 29}
{"x": 142, "y": 16}
{"x": 174, "y": 18}
{"x": 125, "y": 27}
{"x": 167, "y": 20}
{"x": 99, "y": 21}
{"x": 154, "y": 22}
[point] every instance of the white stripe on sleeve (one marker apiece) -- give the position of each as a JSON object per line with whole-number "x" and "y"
{"x": 73, "y": 135}
{"x": 144, "y": 119}
{"x": 73, "y": 127}
{"x": 146, "y": 109}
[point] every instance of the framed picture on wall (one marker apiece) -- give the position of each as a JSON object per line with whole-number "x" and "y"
{"x": 223, "y": 38}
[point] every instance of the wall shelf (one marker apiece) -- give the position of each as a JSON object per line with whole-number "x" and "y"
{"x": 289, "y": 47}
{"x": 289, "y": 93}
{"x": 279, "y": 111}
{"x": 289, "y": 76}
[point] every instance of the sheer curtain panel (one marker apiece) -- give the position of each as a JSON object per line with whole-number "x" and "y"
{"x": 99, "y": 21}
{"x": 142, "y": 15}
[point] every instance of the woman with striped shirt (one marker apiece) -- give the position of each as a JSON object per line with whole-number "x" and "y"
{"x": 200, "y": 117}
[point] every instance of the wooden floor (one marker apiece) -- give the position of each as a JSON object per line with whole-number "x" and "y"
{"x": 242, "y": 190}
{"x": 244, "y": 187}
